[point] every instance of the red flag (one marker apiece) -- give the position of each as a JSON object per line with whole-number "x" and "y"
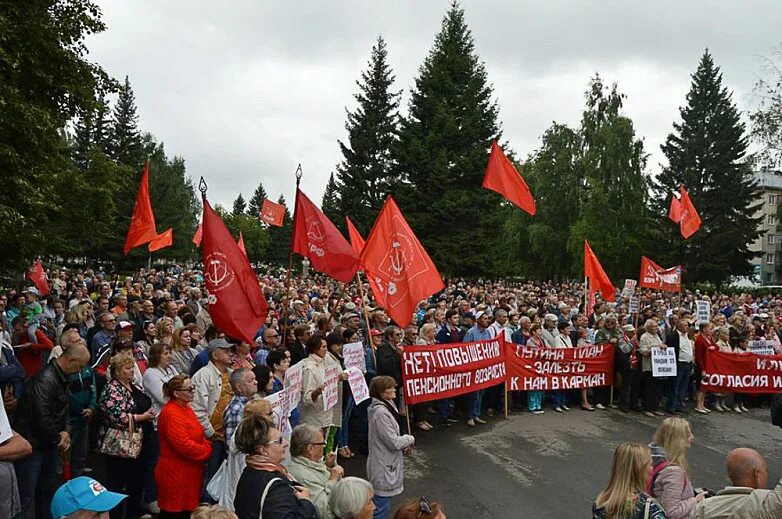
{"x": 197, "y": 236}
{"x": 690, "y": 221}
{"x": 142, "y": 224}
{"x": 598, "y": 279}
{"x": 240, "y": 243}
{"x": 316, "y": 238}
{"x": 356, "y": 241}
{"x": 162, "y": 240}
{"x": 654, "y": 276}
{"x": 272, "y": 213}
{"x": 236, "y": 303}
{"x": 397, "y": 261}
{"x": 675, "y": 212}
{"x": 503, "y": 178}
{"x": 38, "y": 276}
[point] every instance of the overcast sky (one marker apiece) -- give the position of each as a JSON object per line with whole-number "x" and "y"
{"x": 246, "y": 90}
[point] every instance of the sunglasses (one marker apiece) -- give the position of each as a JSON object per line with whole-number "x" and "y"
{"x": 424, "y": 506}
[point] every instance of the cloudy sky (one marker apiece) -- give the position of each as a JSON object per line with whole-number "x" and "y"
{"x": 246, "y": 90}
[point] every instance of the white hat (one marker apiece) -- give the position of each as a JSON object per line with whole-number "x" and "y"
{"x": 480, "y": 314}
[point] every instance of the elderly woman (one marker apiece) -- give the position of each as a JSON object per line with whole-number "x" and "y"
{"x": 241, "y": 357}
{"x": 122, "y": 405}
{"x": 313, "y": 382}
{"x": 650, "y": 339}
{"x": 385, "y": 466}
{"x": 535, "y": 398}
{"x": 184, "y": 451}
{"x": 723, "y": 345}
{"x": 704, "y": 343}
{"x": 306, "y": 467}
{"x": 351, "y": 498}
{"x": 264, "y": 475}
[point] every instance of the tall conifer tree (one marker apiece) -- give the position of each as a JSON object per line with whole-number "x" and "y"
{"x": 331, "y": 204}
{"x": 239, "y": 205}
{"x": 255, "y": 203}
{"x": 126, "y": 145}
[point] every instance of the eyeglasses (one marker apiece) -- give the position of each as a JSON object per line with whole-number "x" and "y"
{"x": 318, "y": 443}
{"x": 190, "y": 389}
{"x": 424, "y": 506}
{"x": 278, "y": 441}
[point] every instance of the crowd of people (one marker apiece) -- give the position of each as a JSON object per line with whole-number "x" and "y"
{"x": 134, "y": 369}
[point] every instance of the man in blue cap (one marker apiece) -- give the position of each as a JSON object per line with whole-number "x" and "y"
{"x": 81, "y": 498}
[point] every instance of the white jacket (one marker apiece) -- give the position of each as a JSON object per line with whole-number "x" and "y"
{"x": 208, "y": 386}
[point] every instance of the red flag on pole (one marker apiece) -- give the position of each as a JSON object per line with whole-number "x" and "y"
{"x": 198, "y": 235}
{"x": 675, "y": 212}
{"x": 240, "y": 243}
{"x": 236, "y": 303}
{"x": 598, "y": 279}
{"x": 654, "y": 276}
{"x": 38, "y": 276}
{"x": 690, "y": 221}
{"x": 316, "y": 238}
{"x": 356, "y": 240}
{"x": 142, "y": 224}
{"x": 162, "y": 240}
{"x": 397, "y": 261}
{"x": 272, "y": 213}
{"x": 503, "y": 178}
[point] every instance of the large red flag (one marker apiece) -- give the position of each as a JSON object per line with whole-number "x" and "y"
{"x": 236, "y": 303}
{"x": 38, "y": 276}
{"x": 142, "y": 224}
{"x": 598, "y": 279}
{"x": 675, "y": 212}
{"x": 356, "y": 240}
{"x": 240, "y": 243}
{"x": 503, "y": 178}
{"x": 654, "y": 276}
{"x": 316, "y": 238}
{"x": 690, "y": 221}
{"x": 272, "y": 213}
{"x": 162, "y": 240}
{"x": 397, "y": 261}
{"x": 198, "y": 235}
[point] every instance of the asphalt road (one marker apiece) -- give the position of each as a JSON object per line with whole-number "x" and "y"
{"x": 553, "y": 465}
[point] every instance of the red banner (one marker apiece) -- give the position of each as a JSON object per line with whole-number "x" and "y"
{"x": 554, "y": 369}
{"x": 448, "y": 370}
{"x": 654, "y": 276}
{"x": 272, "y": 213}
{"x": 742, "y": 373}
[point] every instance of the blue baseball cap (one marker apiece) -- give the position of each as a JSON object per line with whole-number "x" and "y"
{"x": 83, "y": 493}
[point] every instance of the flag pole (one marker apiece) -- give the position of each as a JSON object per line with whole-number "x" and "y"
{"x": 366, "y": 318}
{"x": 298, "y": 175}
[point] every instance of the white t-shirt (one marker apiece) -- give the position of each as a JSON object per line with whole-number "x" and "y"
{"x": 685, "y": 347}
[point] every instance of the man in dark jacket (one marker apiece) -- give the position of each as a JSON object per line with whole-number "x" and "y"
{"x": 389, "y": 355}
{"x": 42, "y": 419}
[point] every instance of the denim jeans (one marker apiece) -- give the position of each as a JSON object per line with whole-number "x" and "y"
{"x": 560, "y": 398}
{"x": 343, "y": 435}
{"x": 79, "y": 446}
{"x": 37, "y": 478}
{"x": 382, "y": 507}
{"x": 534, "y": 400}
{"x": 474, "y": 404}
{"x": 678, "y": 386}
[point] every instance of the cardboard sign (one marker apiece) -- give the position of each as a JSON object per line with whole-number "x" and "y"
{"x": 761, "y": 347}
{"x": 358, "y": 385}
{"x": 633, "y": 306}
{"x": 353, "y": 354}
{"x": 663, "y": 362}
{"x": 293, "y": 377}
{"x": 704, "y": 311}
{"x": 280, "y": 407}
{"x": 629, "y": 288}
{"x": 330, "y": 394}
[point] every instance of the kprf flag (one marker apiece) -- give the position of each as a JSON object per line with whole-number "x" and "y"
{"x": 654, "y": 276}
{"x": 503, "y": 178}
{"x": 316, "y": 238}
{"x": 272, "y": 213}
{"x": 398, "y": 263}
{"x": 38, "y": 276}
{"x": 162, "y": 240}
{"x": 142, "y": 223}
{"x": 240, "y": 243}
{"x": 598, "y": 279}
{"x": 198, "y": 235}
{"x": 356, "y": 240}
{"x": 675, "y": 212}
{"x": 236, "y": 303}
{"x": 691, "y": 220}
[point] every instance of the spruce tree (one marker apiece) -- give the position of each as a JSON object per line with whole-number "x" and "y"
{"x": 707, "y": 152}
{"x": 365, "y": 175}
{"x": 239, "y": 205}
{"x": 126, "y": 145}
{"x": 255, "y": 203}
{"x": 81, "y": 143}
{"x": 331, "y": 204}
{"x": 443, "y": 151}
{"x": 280, "y": 238}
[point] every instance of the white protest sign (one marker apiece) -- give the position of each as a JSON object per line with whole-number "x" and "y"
{"x": 358, "y": 385}
{"x": 5, "y": 426}
{"x": 331, "y": 388}
{"x": 761, "y": 347}
{"x": 633, "y": 306}
{"x": 663, "y": 362}
{"x": 293, "y": 376}
{"x": 629, "y": 287}
{"x": 704, "y": 311}
{"x": 353, "y": 354}
{"x": 280, "y": 402}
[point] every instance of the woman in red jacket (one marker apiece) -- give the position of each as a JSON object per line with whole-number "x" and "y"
{"x": 704, "y": 343}
{"x": 184, "y": 451}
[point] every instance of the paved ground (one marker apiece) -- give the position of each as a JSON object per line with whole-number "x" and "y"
{"x": 553, "y": 465}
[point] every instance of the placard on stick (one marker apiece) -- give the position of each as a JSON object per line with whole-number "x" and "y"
{"x": 663, "y": 362}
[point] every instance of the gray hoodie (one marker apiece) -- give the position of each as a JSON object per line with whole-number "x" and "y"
{"x": 385, "y": 463}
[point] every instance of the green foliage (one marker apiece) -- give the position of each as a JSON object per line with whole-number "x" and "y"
{"x": 331, "y": 204}
{"x": 707, "y": 153}
{"x": 255, "y": 203}
{"x": 443, "y": 151}
{"x": 767, "y": 118}
{"x": 256, "y": 238}
{"x": 127, "y": 146}
{"x": 365, "y": 175}
{"x": 239, "y": 205}
{"x": 280, "y": 239}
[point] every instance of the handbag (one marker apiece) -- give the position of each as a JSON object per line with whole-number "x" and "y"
{"x": 263, "y": 496}
{"x": 123, "y": 443}
{"x": 217, "y": 484}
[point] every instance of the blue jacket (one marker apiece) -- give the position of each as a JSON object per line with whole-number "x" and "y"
{"x": 447, "y": 335}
